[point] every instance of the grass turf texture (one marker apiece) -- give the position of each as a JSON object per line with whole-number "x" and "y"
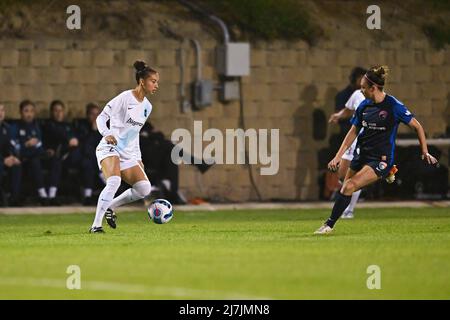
{"x": 229, "y": 255}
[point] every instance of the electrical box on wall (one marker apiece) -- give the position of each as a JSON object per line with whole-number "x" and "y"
{"x": 202, "y": 93}
{"x": 233, "y": 59}
{"x": 229, "y": 91}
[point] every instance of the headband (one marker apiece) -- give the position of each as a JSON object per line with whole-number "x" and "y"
{"x": 373, "y": 82}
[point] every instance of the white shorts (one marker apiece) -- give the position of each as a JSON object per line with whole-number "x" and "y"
{"x": 107, "y": 150}
{"x": 348, "y": 155}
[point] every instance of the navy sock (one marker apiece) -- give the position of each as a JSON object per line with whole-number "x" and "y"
{"x": 341, "y": 203}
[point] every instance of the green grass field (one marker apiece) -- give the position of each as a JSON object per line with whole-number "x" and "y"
{"x": 269, "y": 254}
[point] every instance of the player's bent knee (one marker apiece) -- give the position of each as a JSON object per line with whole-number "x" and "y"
{"x": 142, "y": 188}
{"x": 349, "y": 187}
{"x": 113, "y": 183}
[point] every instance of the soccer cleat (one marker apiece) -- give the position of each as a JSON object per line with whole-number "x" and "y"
{"x": 391, "y": 176}
{"x": 96, "y": 230}
{"x": 323, "y": 230}
{"x": 111, "y": 218}
{"x": 347, "y": 215}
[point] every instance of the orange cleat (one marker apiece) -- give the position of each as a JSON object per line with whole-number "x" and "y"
{"x": 391, "y": 177}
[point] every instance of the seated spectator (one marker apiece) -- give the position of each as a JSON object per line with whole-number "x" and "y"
{"x": 156, "y": 153}
{"x": 89, "y": 137}
{"x": 60, "y": 144}
{"x": 7, "y": 156}
{"x": 27, "y": 137}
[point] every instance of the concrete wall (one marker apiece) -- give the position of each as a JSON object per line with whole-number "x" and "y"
{"x": 288, "y": 81}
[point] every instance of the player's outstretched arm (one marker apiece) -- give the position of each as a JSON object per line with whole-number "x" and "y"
{"x": 344, "y": 113}
{"x": 333, "y": 165}
{"x": 423, "y": 141}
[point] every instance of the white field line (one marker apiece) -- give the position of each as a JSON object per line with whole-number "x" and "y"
{"x": 174, "y": 292}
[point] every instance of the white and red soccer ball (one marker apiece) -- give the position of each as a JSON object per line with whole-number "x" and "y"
{"x": 160, "y": 211}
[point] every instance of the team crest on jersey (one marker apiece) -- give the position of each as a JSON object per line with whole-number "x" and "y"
{"x": 383, "y": 114}
{"x": 382, "y": 165}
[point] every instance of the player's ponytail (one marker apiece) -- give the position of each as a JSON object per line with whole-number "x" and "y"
{"x": 142, "y": 70}
{"x": 377, "y": 75}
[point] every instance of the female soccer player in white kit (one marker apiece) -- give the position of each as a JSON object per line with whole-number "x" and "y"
{"x": 118, "y": 153}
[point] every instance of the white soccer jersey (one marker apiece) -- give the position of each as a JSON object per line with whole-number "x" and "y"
{"x": 352, "y": 103}
{"x": 127, "y": 116}
{"x": 355, "y": 100}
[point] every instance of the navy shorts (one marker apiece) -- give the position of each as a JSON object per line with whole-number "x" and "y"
{"x": 380, "y": 167}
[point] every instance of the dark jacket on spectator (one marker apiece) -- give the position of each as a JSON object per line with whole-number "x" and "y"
{"x": 6, "y": 146}
{"x": 88, "y": 138}
{"x": 21, "y": 132}
{"x": 56, "y": 136}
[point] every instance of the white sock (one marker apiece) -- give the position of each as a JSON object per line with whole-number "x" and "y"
{"x": 87, "y": 193}
{"x": 52, "y": 192}
{"x": 105, "y": 198}
{"x": 42, "y": 193}
{"x": 353, "y": 201}
{"x": 139, "y": 190}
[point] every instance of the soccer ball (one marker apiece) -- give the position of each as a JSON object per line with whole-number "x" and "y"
{"x": 160, "y": 211}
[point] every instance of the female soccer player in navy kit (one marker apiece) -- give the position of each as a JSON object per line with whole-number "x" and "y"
{"x": 379, "y": 115}
{"x": 118, "y": 153}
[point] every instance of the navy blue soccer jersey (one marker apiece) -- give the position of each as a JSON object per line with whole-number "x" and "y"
{"x": 380, "y": 122}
